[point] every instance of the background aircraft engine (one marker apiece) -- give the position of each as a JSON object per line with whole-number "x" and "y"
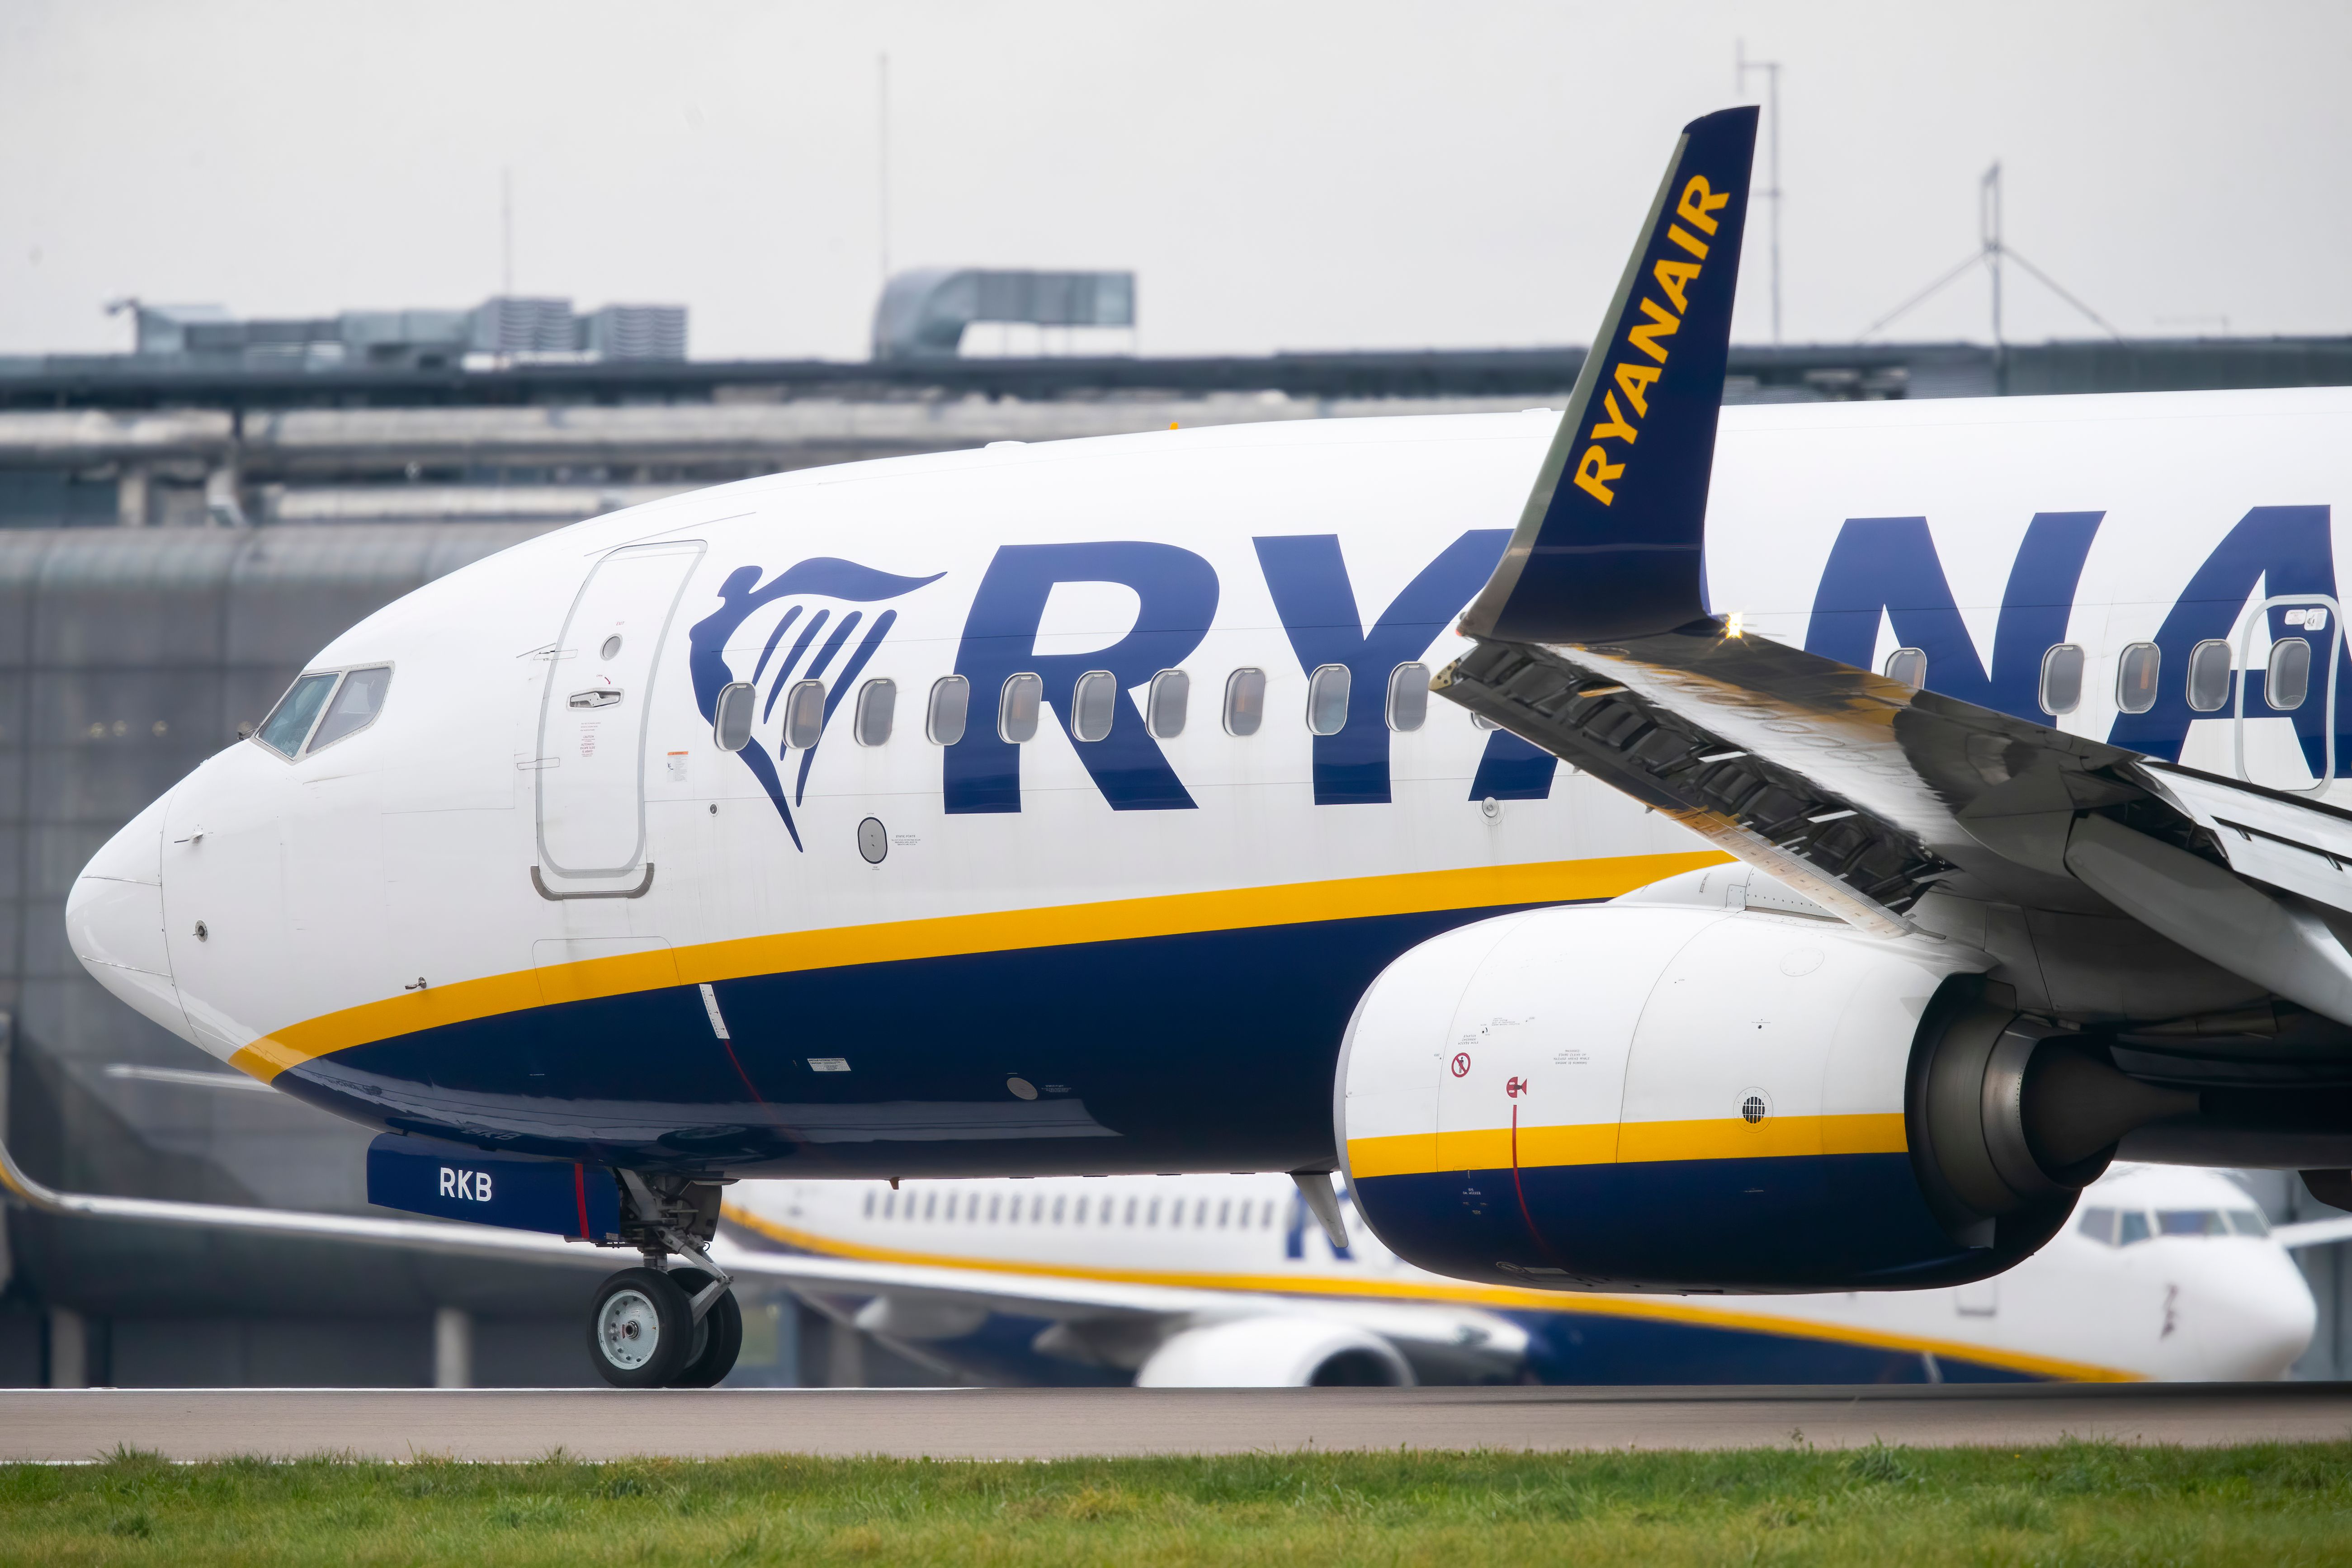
{"x": 1631, "y": 1096}
{"x": 1274, "y": 1353}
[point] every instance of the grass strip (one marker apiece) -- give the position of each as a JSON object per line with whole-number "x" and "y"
{"x": 2076, "y": 1502}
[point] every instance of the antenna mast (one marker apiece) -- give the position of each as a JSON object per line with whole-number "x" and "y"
{"x": 1741, "y": 66}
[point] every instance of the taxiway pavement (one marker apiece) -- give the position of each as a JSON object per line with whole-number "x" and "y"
{"x": 1039, "y": 1424}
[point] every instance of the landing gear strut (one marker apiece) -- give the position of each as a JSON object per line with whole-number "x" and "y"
{"x": 657, "y": 1326}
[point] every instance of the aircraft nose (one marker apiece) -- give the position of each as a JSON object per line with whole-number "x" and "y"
{"x": 2261, "y": 1311}
{"x": 114, "y": 920}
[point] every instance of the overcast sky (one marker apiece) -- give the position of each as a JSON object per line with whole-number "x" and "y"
{"x": 1343, "y": 176}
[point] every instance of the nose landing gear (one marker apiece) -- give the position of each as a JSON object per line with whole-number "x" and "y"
{"x": 658, "y": 1327}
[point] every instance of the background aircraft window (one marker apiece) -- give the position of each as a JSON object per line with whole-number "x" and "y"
{"x": 1328, "y": 689}
{"x": 2099, "y": 1225}
{"x": 2136, "y": 677}
{"x": 731, "y": 721}
{"x": 804, "y": 714}
{"x": 1407, "y": 707}
{"x": 2249, "y": 1222}
{"x": 2190, "y": 1222}
{"x": 951, "y": 701}
{"x": 1326, "y": 699}
{"x": 1224, "y": 1212}
{"x": 1093, "y": 703}
{"x": 2286, "y": 684}
{"x": 1244, "y": 702}
{"x": 290, "y": 721}
{"x": 1151, "y": 1216}
{"x": 877, "y": 705}
{"x": 1079, "y": 1215}
{"x": 1171, "y": 692}
{"x": 2209, "y": 675}
{"x": 869, "y": 1205}
{"x": 932, "y": 1206}
{"x": 361, "y": 697}
{"x": 2135, "y": 1228}
{"x": 2062, "y": 679}
{"x": 1037, "y": 1209}
{"x": 994, "y": 1200}
{"x": 1016, "y": 707}
{"x": 1907, "y": 665}
{"x": 890, "y": 1205}
{"x": 1057, "y": 1209}
{"x": 1200, "y": 1214}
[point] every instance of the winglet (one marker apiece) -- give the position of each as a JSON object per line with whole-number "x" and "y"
{"x": 1609, "y": 543}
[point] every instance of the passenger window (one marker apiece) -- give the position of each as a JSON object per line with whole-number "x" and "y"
{"x": 1151, "y": 1216}
{"x": 1408, "y": 707}
{"x": 2099, "y": 1225}
{"x": 877, "y": 704}
{"x": 1093, "y": 704}
{"x": 1244, "y": 702}
{"x": 2285, "y": 685}
{"x": 1171, "y": 692}
{"x": 950, "y": 703}
{"x": 1079, "y": 1215}
{"x": 869, "y": 1205}
{"x": 288, "y": 723}
{"x": 804, "y": 714}
{"x": 1326, "y": 699}
{"x": 730, "y": 723}
{"x": 1016, "y": 707}
{"x": 2136, "y": 672}
{"x": 360, "y": 699}
{"x": 2209, "y": 675}
{"x": 1058, "y": 1202}
{"x": 931, "y": 1205}
{"x": 2135, "y": 1228}
{"x": 1224, "y": 1212}
{"x": 2062, "y": 679}
{"x": 1907, "y": 665}
{"x": 2249, "y": 1222}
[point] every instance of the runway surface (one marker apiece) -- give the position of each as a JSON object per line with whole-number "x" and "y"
{"x": 1037, "y": 1424}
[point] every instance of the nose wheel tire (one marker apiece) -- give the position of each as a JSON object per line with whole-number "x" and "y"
{"x": 640, "y": 1331}
{"x": 717, "y": 1339}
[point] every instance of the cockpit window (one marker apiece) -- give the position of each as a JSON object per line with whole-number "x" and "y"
{"x": 288, "y": 723}
{"x": 352, "y": 708}
{"x": 2190, "y": 1222}
{"x": 2099, "y": 1225}
{"x": 357, "y": 702}
{"x": 2249, "y": 1222}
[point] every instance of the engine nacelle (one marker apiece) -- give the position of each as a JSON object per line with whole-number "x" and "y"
{"x": 1656, "y": 1096}
{"x": 1274, "y": 1352}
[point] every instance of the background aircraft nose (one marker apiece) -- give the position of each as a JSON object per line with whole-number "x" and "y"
{"x": 114, "y": 920}
{"x": 2255, "y": 1312}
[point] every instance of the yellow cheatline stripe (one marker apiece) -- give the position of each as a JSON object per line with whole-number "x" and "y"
{"x": 1631, "y": 1142}
{"x": 1450, "y": 1292}
{"x": 1010, "y": 931}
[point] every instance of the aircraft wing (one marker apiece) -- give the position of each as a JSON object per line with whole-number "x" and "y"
{"x": 2313, "y": 1233}
{"x": 1478, "y": 1341}
{"x": 1593, "y": 640}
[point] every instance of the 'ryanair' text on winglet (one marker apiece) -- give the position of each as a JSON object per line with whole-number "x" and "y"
{"x": 1611, "y": 541}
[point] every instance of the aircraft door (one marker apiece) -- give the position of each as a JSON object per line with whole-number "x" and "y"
{"x": 2297, "y": 660}
{"x": 592, "y": 721}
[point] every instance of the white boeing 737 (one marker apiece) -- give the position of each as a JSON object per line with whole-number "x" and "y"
{"x": 1080, "y": 809}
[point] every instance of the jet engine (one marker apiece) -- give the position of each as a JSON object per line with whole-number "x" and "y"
{"x": 1274, "y": 1353}
{"x": 1703, "y": 1086}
